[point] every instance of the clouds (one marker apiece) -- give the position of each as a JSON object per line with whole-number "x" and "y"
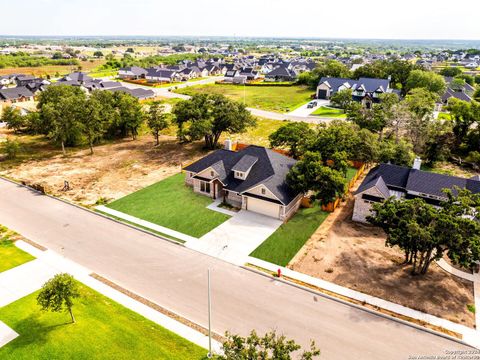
{"x": 417, "y": 19}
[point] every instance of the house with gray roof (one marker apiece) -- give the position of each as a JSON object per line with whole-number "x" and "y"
{"x": 16, "y": 94}
{"x": 252, "y": 179}
{"x": 132, "y": 73}
{"x": 387, "y": 180}
{"x": 364, "y": 90}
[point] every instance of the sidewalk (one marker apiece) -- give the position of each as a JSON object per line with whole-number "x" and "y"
{"x": 470, "y": 336}
{"x": 53, "y": 263}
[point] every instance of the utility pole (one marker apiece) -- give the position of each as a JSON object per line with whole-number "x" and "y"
{"x": 209, "y": 355}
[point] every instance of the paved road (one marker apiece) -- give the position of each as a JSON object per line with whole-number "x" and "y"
{"x": 175, "y": 277}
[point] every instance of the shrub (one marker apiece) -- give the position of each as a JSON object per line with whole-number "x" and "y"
{"x": 11, "y": 148}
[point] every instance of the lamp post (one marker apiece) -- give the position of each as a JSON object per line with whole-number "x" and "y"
{"x": 209, "y": 355}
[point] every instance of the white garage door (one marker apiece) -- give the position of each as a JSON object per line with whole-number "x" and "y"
{"x": 263, "y": 207}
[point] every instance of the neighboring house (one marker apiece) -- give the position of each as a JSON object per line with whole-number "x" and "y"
{"x": 234, "y": 77}
{"x": 364, "y": 90}
{"x": 157, "y": 74}
{"x": 139, "y": 93}
{"x": 386, "y": 180}
{"x": 252, "y": 179}
{"x": 22, "y": 80}
{"x": 249, "y": 73}
{"x": 281, "y": 73}
{"x": 464, "y": 93}
{"x": 79, "y": 77}
{"x": 132, "y": 73}
{"x": 106, "y": 85}
{"x": 6, "y": 80}
{"x": 213, "y": 70}
{"x": 16, "y": 94}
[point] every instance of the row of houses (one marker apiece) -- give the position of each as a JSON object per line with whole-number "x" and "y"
{"x": 27, "y": 87}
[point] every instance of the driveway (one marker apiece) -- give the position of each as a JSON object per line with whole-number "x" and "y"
{"x": 304, "y": 111}
{"x": 175, "y": 277}
{"x": 237, "y": 237}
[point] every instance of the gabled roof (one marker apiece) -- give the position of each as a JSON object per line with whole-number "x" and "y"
{"x": 76, "y": 76}
{"x": 245, "y": 163}
{"x": 406, "y": 179}
{"x": 282, "y": 71}
{"x": 15, "y": 93}
{"x": 135, "y": 70}
{"x": 369, "y": 84}
{"x": 270, "y": 170}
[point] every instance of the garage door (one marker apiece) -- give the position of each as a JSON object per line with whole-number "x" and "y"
{"x": 322, "y": 94}
{"x": 263, "y": 207}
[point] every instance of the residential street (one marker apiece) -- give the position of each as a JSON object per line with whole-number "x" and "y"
{"x": 175, "y": 277}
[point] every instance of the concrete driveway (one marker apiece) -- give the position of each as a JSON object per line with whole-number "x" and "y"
{"x": 237, "y": 237}
{"x": 304, "y": 111}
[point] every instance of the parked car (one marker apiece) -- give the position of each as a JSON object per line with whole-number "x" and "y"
{"x": 311, "y": 104}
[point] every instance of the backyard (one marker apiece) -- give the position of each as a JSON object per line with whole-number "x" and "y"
{"x": 102, "y": 327}
{"x": 10, "y": 255}
{"x": 271, "y": 98}
{"x": 170, "y": 203}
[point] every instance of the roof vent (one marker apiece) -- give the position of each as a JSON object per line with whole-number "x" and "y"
{"x": 417, "y": 163}
{"x": 228, "y": 144}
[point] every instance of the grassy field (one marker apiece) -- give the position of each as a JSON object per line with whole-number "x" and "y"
{"x": 289, "y": 238}
{"x": 10, "y": 255}
{"x": 171, "y": 204}
{"x": 329, "y": 112}
{"x": 52, "y": 70}
{"x": 257, "y": 135}
{"x": 104, "y": 330}
{"x": 271, "y": 98}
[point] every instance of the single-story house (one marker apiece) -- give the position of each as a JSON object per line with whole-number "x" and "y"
{"x": 386, "y": 180}
{"x": 157, "y": 74}
{"x": 464, "y": 92}
{"x": 281, "y": 73}
{"x": 139, "y": 93}
{"x": 16, "y": 94}
{"x": 252, "y": 179}
{"x": 364, "y": 90}
{"x": 77, "y": 76}
{"x": 132, "y": 73}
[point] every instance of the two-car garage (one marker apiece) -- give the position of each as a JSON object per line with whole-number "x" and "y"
{"x": 263, "y": 207}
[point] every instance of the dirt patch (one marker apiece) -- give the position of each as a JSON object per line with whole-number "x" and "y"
{"x": 113, "y": 171}
{"x": 355, "y": 256}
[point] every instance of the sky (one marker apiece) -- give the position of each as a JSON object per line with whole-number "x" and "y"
{"x": 387, "y": 19}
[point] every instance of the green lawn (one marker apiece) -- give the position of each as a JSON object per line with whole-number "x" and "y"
{"x": 103, "y": 330}
{"x": 271, "y": 98}
{"x": 289, "y": 238}
{"x": 329, "y": 112}
{"x": 351, "y": 171}
{"x": 10, "y": 255}
{"x": 172, "y": 204}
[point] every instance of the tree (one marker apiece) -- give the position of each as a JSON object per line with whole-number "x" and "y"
{"x": 426, "y": 79}
{"x": 269, "y": 347}
{"x": 98, "y": 54}
{"x": 311, "y": 174}
{"x": 58, "y": 293}
{"x": 61, "y": 109}
{"x": 157, "y": 119}
{"x": 293, "y": 135}
{"x": 450, "y": 71}
{"x": 396, "y": 153}
{"x": 12, "y": 117}
{"x": 210, "y": 115}
{"x": 425, "y": 233}
{"x": 342, "y": 99}
{"x": 98, "y": 114}
{"x": 338, "y": 135}
{"x": 129, "y": 113}
{"x": 11, "y": 148}
{"x": 330, "y": 68}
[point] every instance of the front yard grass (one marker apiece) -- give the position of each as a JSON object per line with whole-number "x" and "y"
{"x": 172, "y": 204}
{"x": 324, "y": 111}
{"x": 10, "y": 255}
{"x": 289, "y": 238}
{"x": 103, "y": 330}
{"x": 271, "y": 98}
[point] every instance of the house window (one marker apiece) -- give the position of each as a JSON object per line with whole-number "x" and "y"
{"x": 212, "y": 174}
{"x": 205, "y": 187}
{"x": 263, "y": 191}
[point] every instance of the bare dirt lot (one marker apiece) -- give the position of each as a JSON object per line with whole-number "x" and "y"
{"x": 355, "y": 256}
{"x": 113, "y": 171}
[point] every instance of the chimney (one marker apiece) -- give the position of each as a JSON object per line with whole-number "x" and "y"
{"x": 417, "y": 163}
{"x": 228, "y": 144}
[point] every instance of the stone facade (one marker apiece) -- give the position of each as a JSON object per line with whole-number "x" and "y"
{"x": 362, "y": 207}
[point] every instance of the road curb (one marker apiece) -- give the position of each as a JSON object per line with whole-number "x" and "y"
{"x": 359, "y": 307}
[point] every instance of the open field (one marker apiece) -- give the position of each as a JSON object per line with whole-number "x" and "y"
{"x": 10, "y": 255}
{"x": 354, "y": 255}
{"x": 104, "y": 329}
{"x": 324, "y": 111}
{"x": 271, "y": 98}
{"x": 172, "y": 204}
{"x": 51, "y": 70}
